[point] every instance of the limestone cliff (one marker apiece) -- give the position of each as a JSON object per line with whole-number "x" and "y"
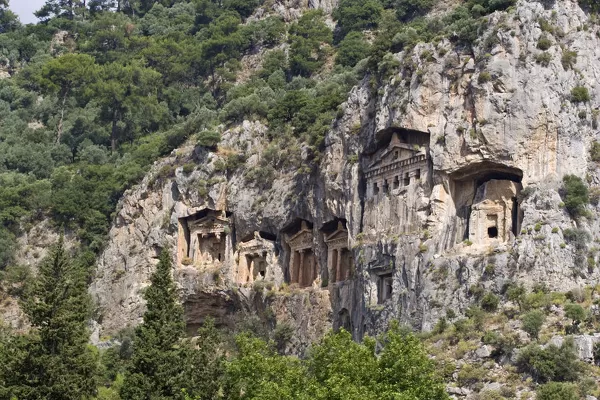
{"x": 452, "y": 164}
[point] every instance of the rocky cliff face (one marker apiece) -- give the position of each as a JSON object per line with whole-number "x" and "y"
{"x": 450, "y": 166}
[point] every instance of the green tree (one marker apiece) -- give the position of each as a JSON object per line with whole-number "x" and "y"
{"x": 407, "y": 10}
{"x": 576, "y": 314}
{"x": 558, "y": 391}
{"x": 258, "y": 372}
{"x": 575, "y": 195}
{"x": 417, "y": 382}
{"x": 357, "y": 15}
{"x": 205, "y": 366}
{"x": 156, "y": 370}
{"x": 53, "y": 361}
{"x": 532, "y": 322}
{"x": 62, "y": 75}
{"x": 59, "y": 8}
{"x": 308, "y": 38}
{"x": 551, "y": 363}
{"x": 127, "y": 95}
{"x": 352, "y": 49}
{"x": 8, "y": 19}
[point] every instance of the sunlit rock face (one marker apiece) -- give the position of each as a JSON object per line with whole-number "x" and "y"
{"x": 423, "y": 181}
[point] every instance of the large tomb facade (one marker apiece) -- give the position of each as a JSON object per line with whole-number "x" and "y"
{"x": 400, "y": 162}
{"x": 256, "y": 259}
{"x": 492, "y": 218}
{"x": 481, "y": 206}
{"x": 303, "y": 265}
{"x": 397, "y": 182}
{"x": 204, "y": 238}
{"x": 340, "y": 262}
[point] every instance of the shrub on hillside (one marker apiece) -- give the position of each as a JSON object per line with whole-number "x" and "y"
{"x": 552, "y": 363}
{"x": 576, "y": 314}
{"x": 357, "y": 15}
{"x": 580, "y": 94}
{"x": 489, "y": 302}
{"x": 208, "y": 139}
{"x": 558, "y": 391}
{"x": 352, "y": 49}
{"x": 595, "y": 151}
{"x": 532, "y": 322}
{"x": 577, "y": 237}
{"x": 575, "y": 195}
{"x": 544, "y": 43}
{"x": 407, "y": 10}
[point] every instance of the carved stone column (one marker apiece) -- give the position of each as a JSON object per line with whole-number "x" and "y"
{"x": 301, "y": 271}
{"x": 338, "y": 267}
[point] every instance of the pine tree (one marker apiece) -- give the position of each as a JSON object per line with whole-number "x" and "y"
{"x": 53, "y": 361}
{"x": 158, "y": 363}
{"x": 59, "y": 8}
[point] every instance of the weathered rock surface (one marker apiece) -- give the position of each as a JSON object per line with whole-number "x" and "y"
{"x": 413, "y": 254}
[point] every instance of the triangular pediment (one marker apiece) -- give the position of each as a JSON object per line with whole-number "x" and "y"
{"x": 209, "y": 221}
{"x": 302, "y": 238}
{"x": 396, "y": 152}
{"x": 339, "y": 234}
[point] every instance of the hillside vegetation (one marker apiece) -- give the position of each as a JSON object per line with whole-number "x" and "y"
{"x": 97, "y": 91}
{"x": 95, "y": 94}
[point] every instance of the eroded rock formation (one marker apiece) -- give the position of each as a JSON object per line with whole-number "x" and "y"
{"x": 422, "y": 184}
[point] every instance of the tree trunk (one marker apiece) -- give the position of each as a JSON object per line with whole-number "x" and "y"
{"x": 59, "y": 128}
{"x": 113, "y": 134}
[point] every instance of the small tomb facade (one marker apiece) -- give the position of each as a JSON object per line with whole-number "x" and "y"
{"x": 255, "y": 256}
{"x": 493, "y": 215}
{"x": 204, "y": 238}
{"x": 340, "y": 262}
{"x": 385, "y": 287}
{"x": 303, "y": 266}
{"x": 399, "y": 164}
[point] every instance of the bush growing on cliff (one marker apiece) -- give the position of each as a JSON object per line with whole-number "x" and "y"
{"x": 577, "y": 237}
{"x": 590, "y": 5}
{"x": 357, "y": 15}
{"x": 576, "y": 314}
{"x": 558, "y": 391}
{"x": 552, "y": 363}
{"x": 532, "y": 322}
{"x": 580, "y": 94}
{"x": 595, "y": 151}
{"x": 489, "y": 302}
{"x": 352, "y": 49}
{"x": 575, "y": 195}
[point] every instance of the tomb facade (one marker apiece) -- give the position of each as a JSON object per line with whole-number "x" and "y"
{"x": 493, "y": 215}
{"x": 385, "y": 284}
{"x": 401, "y": 163}
{"x": 340, "y": 262}
{"x": 303, "y": 266}
{"x": 204, "y": 239}
{"x": 256, "y": 257}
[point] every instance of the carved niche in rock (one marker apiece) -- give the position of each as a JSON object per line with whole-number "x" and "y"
{"x": 204, "y": 238}
{"x": 340, "y": 263}
{"x": 400, "y": 163}
{"x": 255, "y": 258}
{"x": 303, "y": 264}
{"x": 493, "y": 216}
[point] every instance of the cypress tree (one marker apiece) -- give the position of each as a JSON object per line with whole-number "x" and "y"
{"x": 158, "y": 362}
{"x": 53, "y": 361}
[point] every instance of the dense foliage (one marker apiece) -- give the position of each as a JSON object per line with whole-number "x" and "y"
{"x": 53, "y": 361}
{"x": 101, "y": 89}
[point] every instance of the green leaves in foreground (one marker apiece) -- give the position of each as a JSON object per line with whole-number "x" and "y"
{"x": 53, "y": 361}
{"x": 337, "y": 368}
